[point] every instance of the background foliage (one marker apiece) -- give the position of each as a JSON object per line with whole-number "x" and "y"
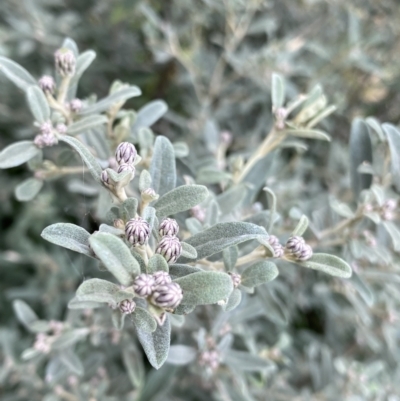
{"x": 212, "y": 63}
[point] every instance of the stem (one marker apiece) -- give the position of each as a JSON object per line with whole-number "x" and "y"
{"x": 57, "y": 106}
{"x": 339, "y": 227}
{"x": 62, "y": 91}
{"x": 120, "y": 194}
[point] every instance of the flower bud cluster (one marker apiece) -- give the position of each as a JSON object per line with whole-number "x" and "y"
{"x": 46, "y": 136}
{"x": 137, "y": 231}
{"x": 75, "y": 105}
{"x": 127, "y": 306}
{"x": 169, "y": 246}
{"x": 297, "y": 248}
{"x": 43, "y": 343}
{"x": 276, "y": 246}
{"x": 65, "y": 62}
{"x": 125, "y": 155}
{"x": 210, "y": 359}
{"x": 47, "y": 84}
{"x": 159, "y": 288}
{"x": 388, "y": 209}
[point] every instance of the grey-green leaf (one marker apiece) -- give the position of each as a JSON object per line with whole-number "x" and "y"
{"x": 24, "y": 313}
{"x": 149, "y": 114}
{"x": 233, "y": 300}
{"x": 128, "y": 209}
{"x": 86, "y": 124}
{"x": 118, "y": 319}
{"x": 17, "y": 74}
{"x": 37, "y": 103}
{"x": 28, "y": 189}
{"x": 230, "y": 256}
{"x": 309, "y": 133}
{"x": 72, "y": 362}
{"x": 329, "y": 264}
{"x": 157, "y": 263}
{"x": 181, "y": 355}
{"x": 394, "y": 233}
{"x": 180, "y": 199}
{"x": 162, "y": 167}
{"x": 144, "y": 320}
{"x": 244, "y": 361}
{"x": 116, "y": 257}
{"x": 90, "y": 161}
{"x": 277, "y": 91}
{"x": 68, "y": 236}
{"x": 205, "y": 288}
{"x": 144, "y": 180}
{"x": 393, "y": 136}
{"x": 156, "y": 344}
{"x": 188, "y": 251}
{"x": 18, "y": 153}
{"x": 301, "y": 226}
{"x": 259, "y": 273}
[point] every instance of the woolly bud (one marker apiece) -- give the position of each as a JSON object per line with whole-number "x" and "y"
{"x": 47, "y": 84}
{"x": 276, "y": 246}
{"x": 127, "y": 306}
{"x": 61, "y": 128}
{"x": 297, "y": 248}
{"x": 105, "y": 178}
{"x": 390, "y": 205}
{"x": 236, "y": 279}
{"x": 65, "y": 62}
{"x": 75, "y": 105}
{"x": 143, "y": 285}
{"x": 210, "y": 359}
{"x": 149, "y": 195}
{"x": 46, "y": 128}
{"x": 127, "y": 167}
{"x": 45, "y": 140}
{"x": 305, "y": 253}
{"x": 126, "y": 153}
{"x": 226, "y": 137}
{"x": 42, "y": 343}
{"x": 161, "y": 277}
{"x": 168, "y": 227}
{"x": 167, "y": 295}
{"x": 170, "y": 248}
{"x": 137, "y": 231}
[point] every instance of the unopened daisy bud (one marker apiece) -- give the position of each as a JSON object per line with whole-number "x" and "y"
{"x": 127, "y": 167}
{"x": 210, "y": 359}
{"x": 137, "y": 231}
{"x": 105, "y": 179}
{"x": 46, "y": 128}
{"x": 168, "y": 227}
{"x": 161, "y": 277}
{"x": 61, "y": 128}
{"x": 143, "y": 285}
{"x": 297, "y": 248}
{"x": 149, "y": 195}
{"x": 236, "y": 279}
{"x": 45, "y": 140}
{"x": 65, "y": 62}
{"x": 167, "y": 295}
{"x": 390, "y": 204}
{"x": 47, "y": 84}
{"x": 276, "y": 246}
{"x": 75, "y": 105}
{"x": 169, "y": 247}
{"x": 127, "y": 306}
{"x": 126, "y": 153}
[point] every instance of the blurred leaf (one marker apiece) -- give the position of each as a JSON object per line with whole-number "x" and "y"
{"x": 86, "y": 124}
{"x": 329, "y": 264}
{"x": 181, "y": 355}
{"x": 309, "y": 133}
{"x": 393, "y": 136}
{"x": 188, "y": 251}
{"x": 72, "y": 362}
{"x": 181, "y": 149}
{"x": 28, "y": 189}
{"x": 144, "y": 180}
{"x": 18, "y": 153}
{"x": 230, "y": 256}
{"x": 69, "y": 338}
{"x": 301, "y": 227}
{"x": 394, "y": 233}
{"x": 244, "y": 361}
{"x": 17, "y": 74}
{"x": 149, "y": 114}
{"x": 277, "y": 91}
{"x": 118, "y": 319}
{"x": 24, "y": 313}
{"x": 233, "y": 300}
{"x": 37, "y": 103}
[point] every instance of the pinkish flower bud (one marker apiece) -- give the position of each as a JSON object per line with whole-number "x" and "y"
{"x": 297, "y": 248}
{"x": 143, "y": 285}
{"x": 127, "y": 167}
{"x": 127, "y": 306}
{"x": 276, "y": 246}
{"x": 61, "y": 128}
{"x": 168, "y": 227}
{"x": 161, "y": 277}
{"x": 169, "y": 247}
{"x": 199, "y": 213}
{"x": 137, "y": 231}
{"x": 105, "y": 179}
{"x": 149, "y": 195}
{"x": 47, "y": 84}
{"x": 236, "y": 279}
{"x": 65, "y": 62}
{"x": 75, "y": 105}
{"x": 46, "y": 128}
{"x": 126, "y": 153}
{"x": 168, "y": 295}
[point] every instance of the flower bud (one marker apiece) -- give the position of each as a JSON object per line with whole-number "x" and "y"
{"x": 226, "y": 137}
{"x": 297, "y": 248}
{"x": 126, "y": 153}
{"x": 75, "y": 105}
{"x": 149, "y": 195}
{"x": 168, "y": 227}
{"x": 46, "y": 128}
{"x": 236, "y": 279}
{"x": 170, "y": 248}
{"x": 45, "y": 140}
{"x": 143, "y": 285}
{"x": 127, "y": 167}
{"x": 105, "y": 179}
{"x": 161, "y": 277}
{"x": 137, "y": 231}
{"x": 65, "y": 62}
{"x": 276, "y": 246}
{"x": 127, "y": 306}
{"x": 210, "y": 359}
{"x": 47, "y": 84}
{"x": 167, "y": 295}
{"x": 61, "y": 128}
{"x": 199, "y": 213}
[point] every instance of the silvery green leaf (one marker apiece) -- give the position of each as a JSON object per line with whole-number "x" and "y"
{"x": 329, "y": 264}
{"x": 309, "y": 133}
{"x": 70, "y": 44}
{"x": 233, "y": 300}
{"x": 360, "y": 152}
{"x": 40, "y": 326}
{"x": 144, "y": 180}
{"x": 177, "y": 320}
{"x": 70, "y": 338}
{"x": 30, "y": 353}
{"x": 68, "y": 236}
{"x": 205, "y": 288}
{"x": 37, "y": 103}
{"x": 121, "y": 95}
{"x": 212, "y": 175}
{"x": 259, "y": 273}
{"x": 394, "y": 233}
{"x": 180, "y": 199}
{"x": 119, "y": 180}
{"x": 149, "y": 114}
{"x": 188, "y": 251}
{"x": 145, "y": 138}
{"x": 133, "y": 363}
{"x": 181, "y": 149}
{"x": 105, "y": 228}
{"x": 86, "y": 124}
{"x": 72, "y": 362}
{"x": 116, "y": 257}
{"x": 212, "y": 213}
{"x": 18, "y": 153}
{"x": 298, "y": 145}
{"x": 90, "y": 161}
{"x": 149, "y": 214}
{"x": 193, "y": 225}
{"x": 83, "y": 303}
{"x": 181, "y": 355}
{"x": 245, "y": 361}
{"x": 162, "y": 167}
{"x": 375, "y": 125}
{"x": 28, "y": 189}
{"x": 223, "y": 235}
{"x": 118, "y": 319}
{"x": 17, "y": 74}
{"x": 232, "y": 199}
{"x": 230, "y": 256}
{"x": 143, "y": 320}
{"x": 157, "y": 263}
{"x": 128, "y": 209}
{"x": 277, "y": 91}
{"x": 341, "y": 208}
{"x": 98, "y": 290}
{"x": 24, "y": 313}
{"x": 363, "y": 289}
{"x": 211, "y": 135}
{"x": 83, "y": 61}
{"x": 180, "y": 270}
{"x": 321, "y": 116}
{"x": 184, "y": 309}
{"x": 301, "y": 226}
{"x": 393, "y": 137}
{"x": 156, "y": 344}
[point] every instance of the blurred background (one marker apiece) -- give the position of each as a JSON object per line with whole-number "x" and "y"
{"x": 211, "y": 61}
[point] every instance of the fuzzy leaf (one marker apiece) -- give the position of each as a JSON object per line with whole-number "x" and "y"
{"x": 90, "y": 161}
{"x": 157, "y": 263}
{"x": 232, "y": 199}
{"x": 205, "y": 288}
{"x": 309, "y": 133}
{"x": 233, "y": 300}
{"x": 188, "y": 251}
{"x": 86, "y": 124}
{"x": 394, "y": 233}
{"x": 17, "y": 74}
{"x": 24, "y": 313}
{"x": 162, "y": 167}
{"x": 144, "y": 320}
{"x": 156, "y": 344}
{"x": 180, "y": 270}
{"x": 28, "y": 189}
{"x": 70, "y": 338}
{"x": 181, "y": 355}
{"x": 244, "y": 361}
{"x": 329, "y": 264}
{"x": 72, "y": 362}
{"x": 37, "y": 103}
{"x": 149, "y": 114}
{"x": 223, "y": 235}
{"x": 301, "y": 226}
{"x": 277, "y": 91}
{"x": 230, "y": 256}
{"x": 68, "y": 236}
{"x": 18, "y": 153}
{"x": 128, "y": 209}
{"x": 118, "y": 319}
{"x": 144, "y": 180}
{"x": 149, "y": 214}
{"x": 259, "y": 273}
{"x": 115, "y": 256}
{"x": 393, "y": 137}
{"x": 181, "y": 149}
